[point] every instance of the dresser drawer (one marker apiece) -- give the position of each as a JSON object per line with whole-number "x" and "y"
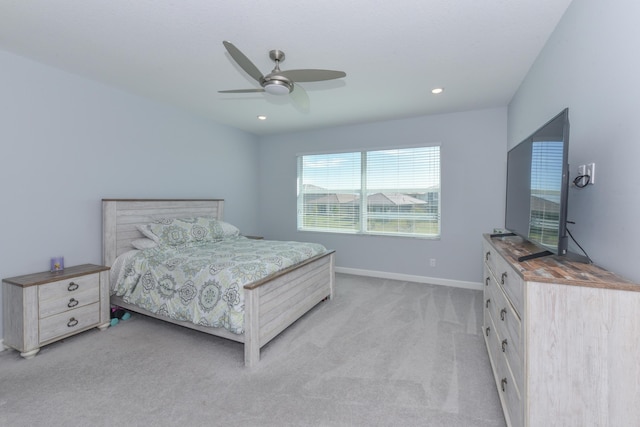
{"x": 514, "y": 405}
{"x": 511, "y": 282}
{"x": 69, "y": 322}
{"x": 503, "y": 312}
{"x": 505, "y": 275}
{"x": 510, "y": 395}
{"x": 489, "y": 256}
{"x": 68, "y": 287}
{"x": 509, "y": 327}
{"x": 69, "y": 301}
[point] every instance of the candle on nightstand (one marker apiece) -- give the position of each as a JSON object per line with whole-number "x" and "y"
{"x": 57, "y": 264}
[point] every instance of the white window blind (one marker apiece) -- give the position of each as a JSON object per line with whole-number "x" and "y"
{"x": 392, "y": 192}
{"x": 329, "y": 192}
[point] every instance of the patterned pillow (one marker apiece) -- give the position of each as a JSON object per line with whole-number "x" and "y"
{"x": 182, "y": 231}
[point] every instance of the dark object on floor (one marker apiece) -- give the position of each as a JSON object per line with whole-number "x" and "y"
{"x": 117, "y": 314}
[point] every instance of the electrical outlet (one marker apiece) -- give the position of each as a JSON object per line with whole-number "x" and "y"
{"x": 591, "y": 171}
{"x": 432, "y": 262}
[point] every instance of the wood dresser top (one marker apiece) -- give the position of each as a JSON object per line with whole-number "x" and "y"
{"x": 556, "y": 269}
{"x": 47, "y": 276}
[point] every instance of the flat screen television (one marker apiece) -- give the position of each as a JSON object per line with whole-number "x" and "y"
{"x": 538, "y": 186}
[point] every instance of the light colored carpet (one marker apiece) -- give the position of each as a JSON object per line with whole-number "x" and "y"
{"x": 381, "y": 353}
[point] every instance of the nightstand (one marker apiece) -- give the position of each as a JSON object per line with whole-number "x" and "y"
{"x": 42, "y": 308}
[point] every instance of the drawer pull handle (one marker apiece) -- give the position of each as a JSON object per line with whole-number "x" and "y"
{"x": 72, "y": 322}
{"x": 503, "y": 314}
{"x": 486, "y": 332}
{"x": 504, "y": 276}
{"x": 486, "y": 281}
{"x": 72, "y": 286}
{"x": 73, "y": 302}
{"x": 486, "y": 304}
{"x": 503, "y": 384}
{"x": 504, "y": 345}
{"x": 486, "y": 256}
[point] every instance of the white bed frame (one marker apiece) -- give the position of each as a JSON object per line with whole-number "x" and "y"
{"x": 271, "y": 304}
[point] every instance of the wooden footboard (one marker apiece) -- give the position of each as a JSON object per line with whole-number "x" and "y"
{"x": 271, "y": 305}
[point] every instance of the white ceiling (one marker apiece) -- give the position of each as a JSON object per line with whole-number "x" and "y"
{"x": 394, "y": 53}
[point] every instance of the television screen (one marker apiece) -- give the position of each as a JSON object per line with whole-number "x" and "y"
{"x": 537, "y": 186}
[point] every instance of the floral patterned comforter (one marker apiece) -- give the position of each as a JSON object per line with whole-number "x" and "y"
{"x": 203, "y": 283}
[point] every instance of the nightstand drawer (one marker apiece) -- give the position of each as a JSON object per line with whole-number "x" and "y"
{"x": 76, "y": 299}
{"x": 69, "y": 322}
{"x": 69, "y": 287}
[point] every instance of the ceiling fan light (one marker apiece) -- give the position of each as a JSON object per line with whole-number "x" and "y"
{"x": 277, "y": 88}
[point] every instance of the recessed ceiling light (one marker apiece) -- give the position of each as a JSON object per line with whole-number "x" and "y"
{"x": 437, "y": 90}
{"x": 262, "y": 117}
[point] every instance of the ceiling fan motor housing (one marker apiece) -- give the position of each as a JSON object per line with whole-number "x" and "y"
{"x": 277, "y": 85}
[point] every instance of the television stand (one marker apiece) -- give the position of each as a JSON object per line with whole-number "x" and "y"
{"x": 563, "y": 338}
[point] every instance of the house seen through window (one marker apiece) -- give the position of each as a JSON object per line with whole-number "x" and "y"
{"x": 389, "y": 192}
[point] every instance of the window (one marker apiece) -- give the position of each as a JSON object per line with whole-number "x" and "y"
{"x": 389, "y": 192}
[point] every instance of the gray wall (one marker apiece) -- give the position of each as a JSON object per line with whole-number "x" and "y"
{"x": 68, "y": 142}
{"x": 590, "y": 64}
{"x": 473, "y": 163}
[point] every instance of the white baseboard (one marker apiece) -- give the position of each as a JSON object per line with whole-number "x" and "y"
{"x": 410, "y": 278}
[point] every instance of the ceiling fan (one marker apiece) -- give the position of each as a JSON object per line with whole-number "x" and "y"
{"x": 279, "y": 82}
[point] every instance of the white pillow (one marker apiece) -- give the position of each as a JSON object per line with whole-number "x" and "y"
{"x": 144, "y": 243}
{"x": 229, "y": 230}
{"x": 144, "y": 229}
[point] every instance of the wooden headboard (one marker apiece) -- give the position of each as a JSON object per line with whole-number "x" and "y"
{"x": 120, "y": 218}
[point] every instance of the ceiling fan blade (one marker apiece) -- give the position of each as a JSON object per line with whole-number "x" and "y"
{"x": 311, "y": 75}
{"x": 241, "y": 91}
{"x": 300, "y": 98}
{"x": 243, "y": 61}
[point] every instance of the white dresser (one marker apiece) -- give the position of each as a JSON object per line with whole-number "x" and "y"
{"x": 563, "y": 338}
{"x": 42, "y": 308}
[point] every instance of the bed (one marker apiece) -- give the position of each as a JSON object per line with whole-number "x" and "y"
{"x": 271, "y": 304}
